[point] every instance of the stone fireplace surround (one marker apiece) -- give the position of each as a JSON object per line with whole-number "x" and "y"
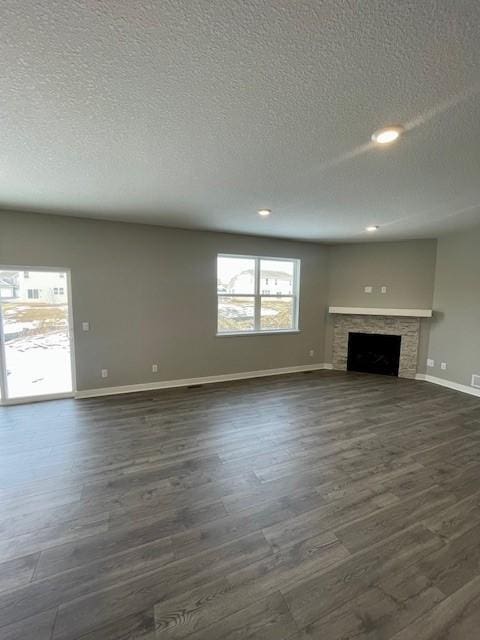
{"x": 406, "y": 327}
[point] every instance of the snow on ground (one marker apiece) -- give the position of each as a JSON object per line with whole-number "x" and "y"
{"x": 38, "y": 365}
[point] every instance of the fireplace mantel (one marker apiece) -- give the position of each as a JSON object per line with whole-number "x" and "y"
{"x": 376, "y": 311}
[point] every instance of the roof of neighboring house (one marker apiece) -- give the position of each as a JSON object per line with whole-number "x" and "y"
{"x": 7, "y": 280}
{"x": 279, "y": 275}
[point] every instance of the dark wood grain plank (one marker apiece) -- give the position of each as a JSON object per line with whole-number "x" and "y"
{"x": 15, "y": 573}
{"x": 323, "y": 505}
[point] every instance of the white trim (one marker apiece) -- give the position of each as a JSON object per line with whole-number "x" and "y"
{"x": 257, "y": 295}
{"x": 3, "y": 365}
{"x": 71, "y": 335}
{"x": 4, "y": 399}
{"x": 377, "y": 311}
{"x": 22, "y": 267}
{"x": 42, "y": 398}
{"x": 257, "y": 302}
{"x": 464, "y": 388}
{"x": 253, "y": 257}
{"x": 225, "y": 377}
{"x": 169, "y": 384}
{"x": 266, "y": 332}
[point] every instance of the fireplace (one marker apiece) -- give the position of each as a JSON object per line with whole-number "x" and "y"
{"x": 374, "y": 353}
{"x": 405, "y": 326}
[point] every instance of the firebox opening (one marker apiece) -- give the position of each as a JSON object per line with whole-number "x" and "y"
{"x": 374, "y": 353}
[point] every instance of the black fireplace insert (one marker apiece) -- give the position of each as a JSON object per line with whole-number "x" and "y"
{"x": 374, "y": 353}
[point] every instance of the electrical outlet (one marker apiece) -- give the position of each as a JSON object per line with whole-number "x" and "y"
{"x": 104, "y": 373}
{"x": 430, "y": 362}
{"x": 383, "y": 290}
{"x": 86, "y": 326}
{"x": 443, "y": 365}
{"x": 311, "y": 353}
{"x": 154, "y": 368}
{"x": 368, "y": 289}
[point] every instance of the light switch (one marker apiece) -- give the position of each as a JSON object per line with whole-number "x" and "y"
{"x": 86, "y": 326}
{"x": 383, "y": 290}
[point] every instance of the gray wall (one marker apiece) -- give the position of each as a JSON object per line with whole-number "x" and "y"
{"x": 407, "y": 269}
{"x": 455, "y": 332}
{"x": 149, "y": 294}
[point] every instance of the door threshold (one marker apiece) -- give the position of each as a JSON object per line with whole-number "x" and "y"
{"x": 8, "y": 402}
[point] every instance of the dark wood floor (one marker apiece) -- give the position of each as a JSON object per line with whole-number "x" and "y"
{"x": 323, "y": 505}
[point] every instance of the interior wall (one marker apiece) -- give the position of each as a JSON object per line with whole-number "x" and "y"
{"x": 406, "y": 268}
{"x": 149, "y": 294}
{"x": 455, "y": 332}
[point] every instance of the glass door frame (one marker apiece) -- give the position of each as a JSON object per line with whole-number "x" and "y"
{"x": 4, "y": 399}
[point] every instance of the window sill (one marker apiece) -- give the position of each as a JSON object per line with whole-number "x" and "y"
{"x": 256, "y": 333}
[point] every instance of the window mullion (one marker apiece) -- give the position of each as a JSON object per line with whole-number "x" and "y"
{"x": 3, "y": 367}
{"x": 257, "y": 294}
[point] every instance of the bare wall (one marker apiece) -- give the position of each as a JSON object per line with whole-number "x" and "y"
{"x": 149, "y": 294}
{"x": 406, "y": 268}
{"x": 455, "y": 332}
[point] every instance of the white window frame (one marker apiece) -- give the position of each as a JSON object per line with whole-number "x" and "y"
{"x": 258, "y": 295}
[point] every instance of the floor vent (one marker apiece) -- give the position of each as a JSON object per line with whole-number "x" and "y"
{"x": 194, "y": 386}
{"x": 476, "y": 380}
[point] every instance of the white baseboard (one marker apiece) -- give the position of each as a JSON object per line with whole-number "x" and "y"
{"x": 244, "y": 375}
{"x": 464, "y": 388}
{"x": 226, "y": 377}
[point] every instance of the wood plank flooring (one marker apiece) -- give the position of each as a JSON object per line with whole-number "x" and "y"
{"x": 314, "y": 506}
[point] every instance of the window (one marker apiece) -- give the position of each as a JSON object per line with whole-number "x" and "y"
{"x": 32, "y": 294}
{"x": 245, "y": 305}
{"x": 26, "y": 274}
{"x": 61, "y": 291}
{"x": 55, "y": 291}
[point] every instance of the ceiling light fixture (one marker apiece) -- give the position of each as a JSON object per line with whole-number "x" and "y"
{"x": 373, "y": 227}
{"x": 388, "y": 134}
{"x": 264, "y": 212}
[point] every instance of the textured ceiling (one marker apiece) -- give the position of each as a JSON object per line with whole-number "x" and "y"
{"x": 195, "y": 113}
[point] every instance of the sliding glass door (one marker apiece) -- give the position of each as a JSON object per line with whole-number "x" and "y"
{"x": 36, "y": 346}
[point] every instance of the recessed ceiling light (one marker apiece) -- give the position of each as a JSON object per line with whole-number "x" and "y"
{"x": 388, "y": 134}
{"x": 373, "y": 227}
{"x": 264, "y": 212}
